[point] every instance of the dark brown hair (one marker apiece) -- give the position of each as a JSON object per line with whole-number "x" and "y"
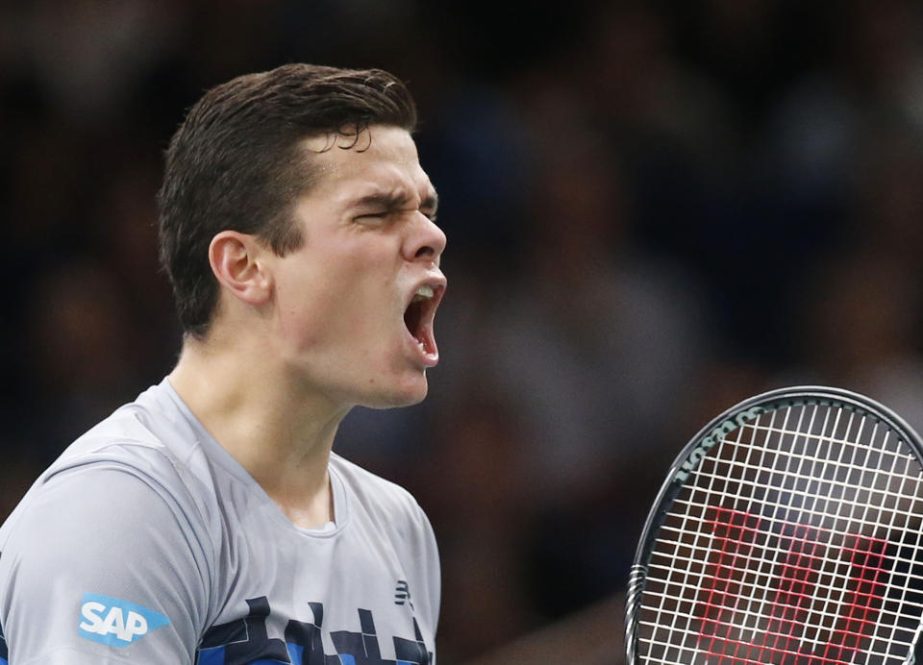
{"x": 236, "y": 163}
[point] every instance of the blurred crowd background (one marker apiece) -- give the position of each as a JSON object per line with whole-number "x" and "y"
{"x": 654, "y": 209}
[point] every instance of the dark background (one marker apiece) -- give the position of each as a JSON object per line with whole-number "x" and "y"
{"x": 654, "y": 209}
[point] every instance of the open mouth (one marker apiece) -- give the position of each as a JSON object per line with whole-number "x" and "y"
{"x": 419, "y": 316}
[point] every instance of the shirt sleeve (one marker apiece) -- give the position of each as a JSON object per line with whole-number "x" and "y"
{"x": 102, "y": 567}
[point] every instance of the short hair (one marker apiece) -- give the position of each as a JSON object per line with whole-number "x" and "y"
{"x": 236, "y": 162}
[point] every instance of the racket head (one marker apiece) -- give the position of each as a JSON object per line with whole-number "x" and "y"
{"x": 788, "y": 530}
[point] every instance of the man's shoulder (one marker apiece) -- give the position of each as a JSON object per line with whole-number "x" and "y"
{"x": 378, "y": 496}
{"x": 364, "y": 481}
{"x": 141, "y": 435}
{"x": 392, "y": 512}
{"x": 146, "y": 439}
{"x": 138, "y": 462}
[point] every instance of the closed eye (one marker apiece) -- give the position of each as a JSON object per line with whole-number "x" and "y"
{"x": 380, "y": 206}
{"x": 377, "y": 217}
{"x": 371, "y": 217}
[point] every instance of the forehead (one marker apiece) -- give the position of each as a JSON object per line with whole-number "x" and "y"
{"x": 379, "y": 159}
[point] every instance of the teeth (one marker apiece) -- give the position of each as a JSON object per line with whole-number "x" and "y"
{"x": 423, "y": 293}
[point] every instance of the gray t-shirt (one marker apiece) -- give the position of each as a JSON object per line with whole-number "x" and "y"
{"x": 146, "y": 542}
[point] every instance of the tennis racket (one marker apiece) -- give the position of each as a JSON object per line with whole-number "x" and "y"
{"x": 787, "y": 532}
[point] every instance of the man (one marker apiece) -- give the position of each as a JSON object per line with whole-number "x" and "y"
{"x": 209, "y": 522}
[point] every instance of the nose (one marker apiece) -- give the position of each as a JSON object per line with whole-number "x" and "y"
{"x": 425, "y": 241}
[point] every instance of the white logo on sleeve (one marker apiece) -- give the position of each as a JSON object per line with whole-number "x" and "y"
{"x": 116, "y": 622}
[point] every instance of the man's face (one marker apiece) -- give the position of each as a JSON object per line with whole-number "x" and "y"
{"x": 353, "y": 307}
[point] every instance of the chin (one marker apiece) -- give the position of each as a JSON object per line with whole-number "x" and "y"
{"x": 406, "y": 394}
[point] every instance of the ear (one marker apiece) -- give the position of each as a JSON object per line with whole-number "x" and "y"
{"x": 236, "y": 260}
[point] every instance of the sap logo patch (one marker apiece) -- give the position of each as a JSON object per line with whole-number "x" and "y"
{"x": 116, "y": 622}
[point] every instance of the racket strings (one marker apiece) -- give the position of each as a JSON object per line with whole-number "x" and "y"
{"x": 717, "y": 631}
{"x": 833, "y": 575}
{"x": 911, "y": 521}
{"x": 796, "y": 541}
{"x": 722, "y": 637}
{"x": 790, "y": 580}
{"x": 682, "y": 578}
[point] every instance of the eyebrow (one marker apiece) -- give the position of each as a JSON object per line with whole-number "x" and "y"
{"x": 396, "y": 201}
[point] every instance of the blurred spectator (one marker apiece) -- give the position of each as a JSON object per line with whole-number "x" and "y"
{"x": 82, "y": 361}
{"x": 590, "y": 337}
{"x": 87, "y": 54}
{"x": 861, "y": 318}
{"x": 485, "y": 510}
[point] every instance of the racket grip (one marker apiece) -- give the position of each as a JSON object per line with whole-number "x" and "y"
{"x": 636, "y": 577}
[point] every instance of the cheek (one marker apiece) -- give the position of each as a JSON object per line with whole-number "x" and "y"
{"x": 338, "y": 310}
{"x": 303, "y": 306}
{"x": 340, "y": 300}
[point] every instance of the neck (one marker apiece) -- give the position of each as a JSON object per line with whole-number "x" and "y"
{"x": 281, "y": 433}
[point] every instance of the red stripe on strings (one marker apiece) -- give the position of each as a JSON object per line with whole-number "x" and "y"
{"x": 776, "y": 634}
